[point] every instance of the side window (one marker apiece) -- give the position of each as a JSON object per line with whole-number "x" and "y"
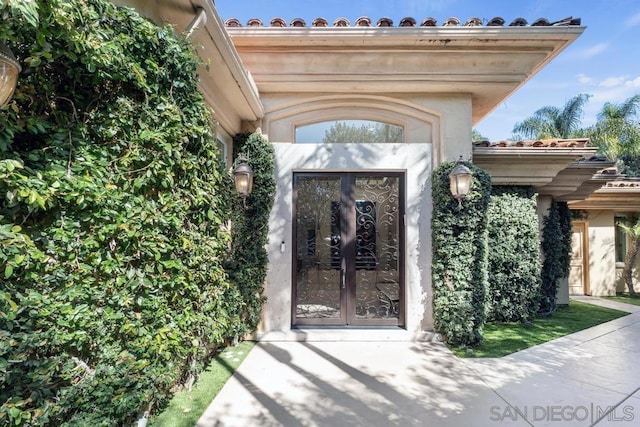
{"x": 223, "y": 149}
{"x": 350, "y": 131}
{"x": 620, "y": 239}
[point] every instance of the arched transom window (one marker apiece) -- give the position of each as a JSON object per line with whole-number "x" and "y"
{"x": 350, "y": 131}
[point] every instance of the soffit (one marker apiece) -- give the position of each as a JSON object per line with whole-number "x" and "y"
{"x": 489, "y": 63}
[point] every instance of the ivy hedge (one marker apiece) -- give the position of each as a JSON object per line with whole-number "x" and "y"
{"x": 120, "y": 275}
{"x": 514, "y": 259}
{"x": 460, "y": 258}
{"x": 556, "y": 249}
{"x": 248, "y": 256}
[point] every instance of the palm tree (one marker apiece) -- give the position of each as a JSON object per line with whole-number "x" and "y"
{"x": 632, "y": 231}
{"x": 617, "y": 133}
{"x": 553, "y": 122}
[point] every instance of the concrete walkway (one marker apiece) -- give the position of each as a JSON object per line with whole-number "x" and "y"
{"x": 588, "y": 378}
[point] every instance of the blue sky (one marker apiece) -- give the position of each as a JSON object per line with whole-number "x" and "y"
{"x": 603, "y": 62}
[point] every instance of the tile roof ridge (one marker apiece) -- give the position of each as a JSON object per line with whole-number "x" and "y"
{"x": 409, "y": 21}
{"x": 535, "y": 143}
{"x": 624, "y": 182}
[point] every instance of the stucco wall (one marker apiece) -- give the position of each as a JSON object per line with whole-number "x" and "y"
{"x": 416, "y": 160}
{"x": 602, "y": 263}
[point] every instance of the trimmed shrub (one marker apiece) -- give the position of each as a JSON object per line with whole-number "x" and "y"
{"x": 556, "y": 248}
{"x": 459, "y": 271}
{"x": 113, "y": 212}
{"x": 514, "y": 259}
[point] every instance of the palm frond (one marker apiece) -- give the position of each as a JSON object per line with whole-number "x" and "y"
{"x": 629, "y": 108}
{"x": 571, "y": 115}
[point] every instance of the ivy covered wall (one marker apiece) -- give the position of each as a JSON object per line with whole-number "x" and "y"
{"x": 460, "y": 258}
{"x": 248, "y": 257}
{"x": 114, "y": 213}
{"x": 556, "y": 250}
{"x": 514, "y": 259}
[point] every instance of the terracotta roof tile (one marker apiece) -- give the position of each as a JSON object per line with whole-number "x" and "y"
{"x": 624, "y": 183}
{"x": 496, "y": 22}
{"x": 233, "y": 22}
{"x": 278, "y": 22}
{"x": 363, "y": 21}
{"x": 599, "y": 158}
{"x": 451, "y": 22}
{"x": 298, "y": 22}
{"x": 429, "y": 22}
{"x": 540, "y": 22}
{"x": 254, "y": 22}
{"x": 409, "y": 22}
{"x": 543, "y": 143}
{"x": 473, "y": 22}
{"x": 609, "y": 171}
{"x": 320, "y": 22}
{"x": 519, "y": 22}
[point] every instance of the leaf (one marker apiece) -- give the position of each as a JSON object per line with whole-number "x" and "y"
{"x": 8, "y": 271}
{"x": 28, "y": 10}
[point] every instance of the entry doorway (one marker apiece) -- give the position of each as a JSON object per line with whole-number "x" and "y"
{"x": 348, "y": 266}
{"x": 579, "y": 266}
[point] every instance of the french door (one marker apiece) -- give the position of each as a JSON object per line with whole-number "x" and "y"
{"x": 348, "y": 248}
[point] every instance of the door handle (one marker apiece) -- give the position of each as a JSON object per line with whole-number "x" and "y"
{"x": 343, "y": 272}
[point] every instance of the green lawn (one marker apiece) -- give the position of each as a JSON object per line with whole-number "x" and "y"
{"x": 501, "y": 339}
{"x": 626, "y": 298}
{"x": 186, "y": 407}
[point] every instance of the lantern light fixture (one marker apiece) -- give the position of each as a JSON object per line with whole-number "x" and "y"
{"x": 460, "y": 181}
{"x": 243, "y": 178}
{"x": 9, "y": 70}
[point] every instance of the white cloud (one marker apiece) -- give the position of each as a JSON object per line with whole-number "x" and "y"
{"x": 584, "y": 79}
{"x": 616, "y": 93}
{"x": 591, "y": 51}
{"x": 633, "y": 83}
{"x": 633, "y": 20}
{"x": 612, "y": 81}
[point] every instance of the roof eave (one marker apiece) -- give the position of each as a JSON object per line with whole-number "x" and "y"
{"x": 486, "y": 63}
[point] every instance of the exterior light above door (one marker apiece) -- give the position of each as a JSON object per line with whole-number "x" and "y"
{"x": 460, "y": 181}
{"x": 9, "y": 70}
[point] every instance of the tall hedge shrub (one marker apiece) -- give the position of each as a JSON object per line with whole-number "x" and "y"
{"x": 113, "y": 206}
{"x": 556, "y": 249}
{"x": 247, "y": 263}
{"x": 459, "y": 270}
{"x": 514, "y": 258}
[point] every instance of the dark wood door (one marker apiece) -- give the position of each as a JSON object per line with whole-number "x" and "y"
{"x": 348, "y": 257}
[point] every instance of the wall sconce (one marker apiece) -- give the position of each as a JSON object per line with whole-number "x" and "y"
{"x": 460, "y": 181}
{"x": 9, "y": 70}
{"x": 243, "y": 178}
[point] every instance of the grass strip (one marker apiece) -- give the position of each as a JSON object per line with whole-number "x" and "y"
{"x": 186, "y": 407}
{"x": 626, "y": 298}
{"x": 501, "y": 339}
